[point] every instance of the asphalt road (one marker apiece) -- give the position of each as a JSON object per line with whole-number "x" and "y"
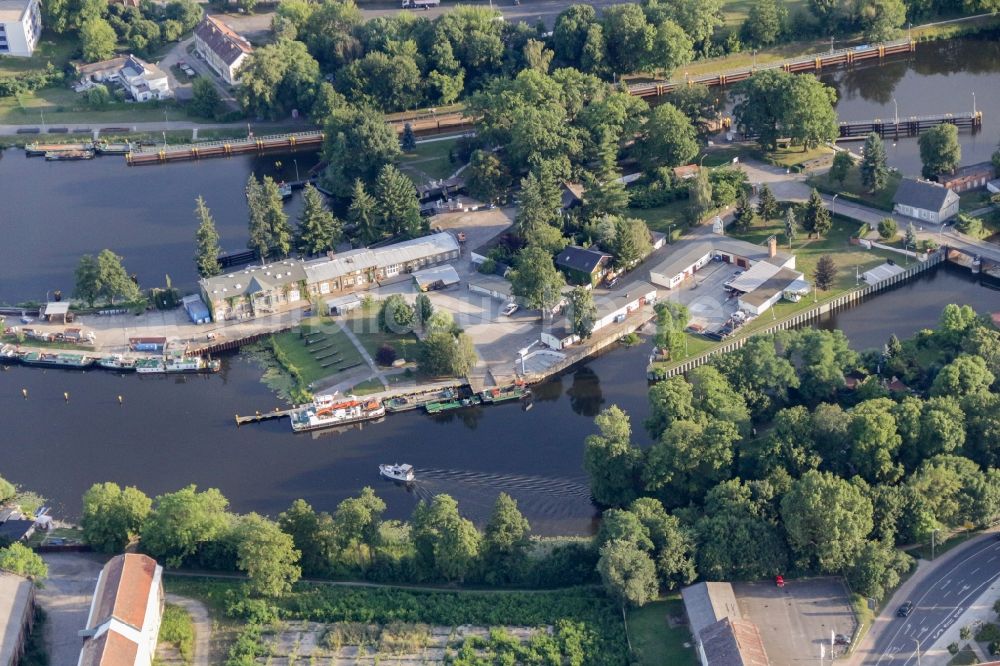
{"x": 940, "y": 598}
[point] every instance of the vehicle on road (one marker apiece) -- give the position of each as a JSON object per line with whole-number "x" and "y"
{"x": 841, "y": 639}
{"x": 420, "y": 4}
{"x": 509, "y": 309}
{"x": 905, "y": 609}
{"x": 779, "y": 581}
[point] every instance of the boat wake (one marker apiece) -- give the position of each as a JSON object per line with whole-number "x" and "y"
{"x": 565, "y": 488}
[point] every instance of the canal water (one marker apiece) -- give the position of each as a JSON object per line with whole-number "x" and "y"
{"x": 174, "y": 431}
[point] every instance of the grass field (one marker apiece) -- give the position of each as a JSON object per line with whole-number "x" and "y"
{"x": 365, "y": 327}
{"x": 670, "y": 217}
{"x": 853, "y": 189}
{"x": 328, "y": 351}
{"x": 429, "y": 161}
{"x": 51, "y": 48}
{"x": 63, "y": 106}
{"x": 654, "y": 642}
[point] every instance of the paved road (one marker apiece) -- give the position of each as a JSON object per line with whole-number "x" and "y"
{"x": 940, "y": 597}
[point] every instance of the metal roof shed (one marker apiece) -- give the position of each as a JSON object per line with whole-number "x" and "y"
{"x": 438, "y": 277}
{"x": 880, "y": 273}
{"x": 54, "y": 310}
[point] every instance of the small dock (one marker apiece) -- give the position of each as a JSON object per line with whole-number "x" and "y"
{"x": 226, "y": 148}
{"x": 913, "y": 126}
{"x": 258, "y": 417}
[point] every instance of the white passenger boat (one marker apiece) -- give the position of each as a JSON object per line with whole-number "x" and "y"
{"x": 397, "y": 472}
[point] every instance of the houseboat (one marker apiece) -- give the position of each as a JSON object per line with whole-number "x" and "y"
{"x": 405, "y": 403}
{"x": 37, "y": 149}
{"x": 176, "y": 365}
{"x": 117, "y": 362}
{"x": 515, "y": 392}
{"x": 326, "y": 411}
{"x": 56, "y": 360}
{"x": 448, "y": 405}
{"x": 105, "y": 148}
{"x": 69, "y": 155}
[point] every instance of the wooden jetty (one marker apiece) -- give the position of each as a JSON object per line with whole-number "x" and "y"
{"x": 911, "y": 126}
{"x": 225, "y": 148}
{"x": 810, "y": 63}
{"x": 258, "y": 417}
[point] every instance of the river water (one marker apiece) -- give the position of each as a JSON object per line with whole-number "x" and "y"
{"x": 174, "y": 431}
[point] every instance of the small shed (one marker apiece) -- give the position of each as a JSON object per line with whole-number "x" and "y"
{"x": 196, "y": 309}
{"x": 57, "y": 312}
{"x": 881, "y": 272}
{"x": 147, "y": 344}
{"x": 438, "y": 277}
{"x": 343, "y": 305}
{"x": 493, "y": 286}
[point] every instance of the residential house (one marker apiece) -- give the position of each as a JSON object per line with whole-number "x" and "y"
{"x": 20, "y": 27}
{"x": 722, "y": 636}
{"x": 967, "y": 178}
{"x": 144, "y": 81}
{"x": 17, "y": 610}
{"x": 571, "y": 195}
{"x": 124, "y": 619}
{"x": 223, "y": 49}
{"x": 583, "y": 266}
{"x": 924, "y": 200}
{"x": 686, "y": 171}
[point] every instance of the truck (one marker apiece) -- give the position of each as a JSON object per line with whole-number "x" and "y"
{"x": 420, "y": 4}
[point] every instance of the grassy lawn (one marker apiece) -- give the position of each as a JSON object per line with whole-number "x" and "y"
{"x": 429, "y": 161}
{"x": 318, "y": 349}
{"x": 365, "y": 327}
{"x": 970, "y": 201}
{"x": 367, "y": 387}
{"x": 853, "y": 189}
{"x": 670, "y": 217}
{"x": 51, "y": 48}
{"x": 63, "y": 106}
{"x": 654, "y": 641}
{"x": 795, "y": 156}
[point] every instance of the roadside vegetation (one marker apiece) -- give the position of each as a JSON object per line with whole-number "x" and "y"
{"x": 177, "y": 630}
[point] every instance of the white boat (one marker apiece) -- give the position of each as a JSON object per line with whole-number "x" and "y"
{"x": 285, "y": 190}
{"x": 326, "y": 411}
{"x": 176, "y": 364}
{"x": 398, "y": 472}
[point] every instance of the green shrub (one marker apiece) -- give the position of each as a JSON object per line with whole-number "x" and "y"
{"x": 488, "y": 267}
{"x": 953, "y": 648}
{"x": 176, "y": 628}
{"x": 989, "y": 633}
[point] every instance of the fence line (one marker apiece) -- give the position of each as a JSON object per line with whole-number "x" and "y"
{"x": 800, "y": 318}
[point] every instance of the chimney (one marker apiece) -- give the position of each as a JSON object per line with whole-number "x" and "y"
{"x": 772, "y": 246}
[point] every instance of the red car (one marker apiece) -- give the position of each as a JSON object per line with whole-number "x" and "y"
{"x": 779, "y": 581}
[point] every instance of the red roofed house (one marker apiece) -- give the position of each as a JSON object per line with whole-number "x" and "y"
{"x": 223, "y": 49}
{"x": 125, "y": 614}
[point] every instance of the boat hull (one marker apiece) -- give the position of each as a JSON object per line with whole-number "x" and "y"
{"x": 333, "y": 423}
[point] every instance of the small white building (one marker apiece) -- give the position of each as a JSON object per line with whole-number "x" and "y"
{"x": 924, "y": 200}
{"x": 20, "y": 27}
{"x": 144, "y": 81}
{"x": 223, "y": 49}
{"x": 689, "y": 257}
{"x": 881, "y": 273}
{"x": 779, "y": 283}
{"x": 125, "y": 614}
{"x": 613, "y": 308}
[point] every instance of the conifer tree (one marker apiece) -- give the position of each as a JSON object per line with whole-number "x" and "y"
{"x": 207, "y": 237}
{"x": 362, "y": 213}
{"x": 318, "y": 230}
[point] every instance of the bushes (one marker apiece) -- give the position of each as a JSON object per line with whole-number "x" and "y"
{"x": 990, "y": 633}
{"x": 177, "y": 628}
{"x": 29, "y": 81}
{"x": 385, "y": 355}
{"x": 248, "y": 646}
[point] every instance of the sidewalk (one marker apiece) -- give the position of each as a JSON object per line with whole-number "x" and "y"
{"x": 978, "y": 613}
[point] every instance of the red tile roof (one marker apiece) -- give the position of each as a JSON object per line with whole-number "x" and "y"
{"x": 109, "y": 649}
{"x": 124, "y": 589}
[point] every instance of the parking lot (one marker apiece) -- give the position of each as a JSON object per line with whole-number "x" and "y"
{"x": 796, "y": 619}
{"x": 706, "y": 296}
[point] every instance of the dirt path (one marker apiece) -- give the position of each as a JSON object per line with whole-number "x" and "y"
{"x": 202, "y": 626}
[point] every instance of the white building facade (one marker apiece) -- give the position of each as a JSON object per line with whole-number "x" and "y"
{"x": 20, "y": 27}
{"x": 222, "y": 48}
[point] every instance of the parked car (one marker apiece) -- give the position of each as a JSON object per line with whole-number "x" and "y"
{"x": 905, "y": 609}
{"x": 509, "y": 309}
{"x": 841, "y": 639}
{"x": 779, "y": 581}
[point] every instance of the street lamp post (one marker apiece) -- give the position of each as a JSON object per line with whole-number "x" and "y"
{"x": 973, "y": 103}
{"x": 933, "y": 542}
{"x": 833, "y": 205}
{"x": 670, "y": 233}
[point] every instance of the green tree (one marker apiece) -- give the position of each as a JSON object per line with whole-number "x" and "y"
{"x": 279, "y": 231}
{"x": 628, "y": 36}
{"x": 97, "y": 39}
{"x": 88, "y": 280}
{"x": 940, "y": 151}
{"x": 312, "y": 534}
{"x": 183, "y": 522}
{"x": 396, "y": 206}
{"x": 205, "y": 99}
{"x": 362, "y": 213}
{"x": 582, "y": 311}
{"x": 536, "y": 280}
{"x": 700, "y": 195}
{"x": 612, "y": 460}
{"x": 207, "y": 238}
{"x": 759, "y": 374}
{"x": 423, "y": 310}
{"x": 628, "y": 573}
{"x": 875, "y": 441}
{"x": 7, "y": 490}
{"x": 673, "y": 544}
{"x": 816, "y": 218}
{"x": 569, "y": 35}
{"x": 777, "y": 104}
{"x": 690, "y": 457}
{"x": 874, "y": 164}
{"x": 278, "y": 78}
{"x": 442, "y": 353}
{"x": 790, "y": 225}
{"x": 357, "y": 523}
{"x": 841, "y": 168}
{"x": 765, "y": 23}
{"x": 114, "y": 281}
{"x": 447, "y": 544}
{"x": 632, "y": 242}
{"x": 487, "y": 178}
{"x": 668, "y": 138}
{"x": 21, "y": 560}
{"x": 505, "y": 543}
{"x": 878, "y": 569}
{"x": 825, "y": 273}
{"x": 409, "y": 141}
{"x": 767, "y": 204}
{"x": 267, "y": 555}
{"x": 318, "y": 230}
{"x": 670, "y": 400}
{"x": 359, "y": 144}
{"x": 671, "y": 320}
{"x": 538, "y": 204}
{"x": 259, "y": 238}
{"x": 113, "y": 516}
{"x": 881, "y": 19}
{"x": 672, "y": 49}
{"x": 395, "y": 315}
{"x": 910, "y": 236}
{"x": 965, "y": 375}
{"x": 887, "y": 228}
{"x": 827, "y": 519}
